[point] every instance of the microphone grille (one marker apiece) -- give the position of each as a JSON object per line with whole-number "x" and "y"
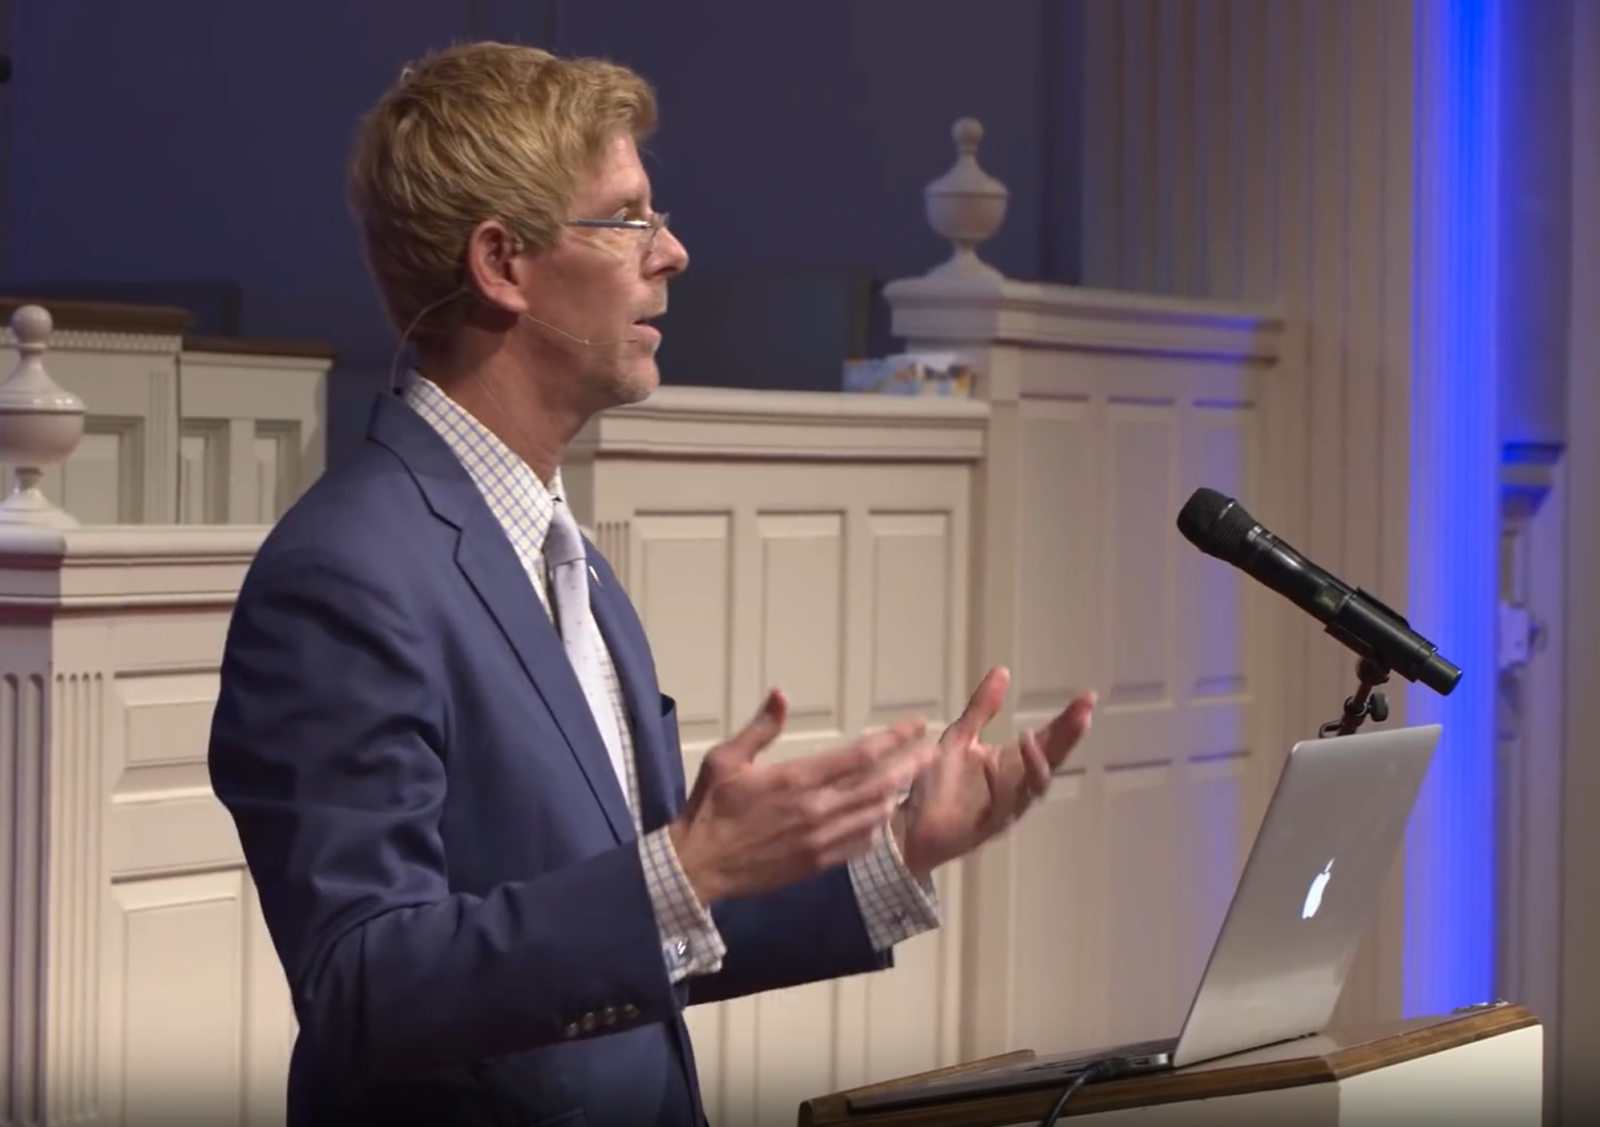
{"x": 1216, "y": 524}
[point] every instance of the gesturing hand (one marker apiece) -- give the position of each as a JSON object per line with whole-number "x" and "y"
{"x": 974, "y": 791}
{"x": 752, "y": 827}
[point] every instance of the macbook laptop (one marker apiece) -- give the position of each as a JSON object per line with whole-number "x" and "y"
{"x": 1307, "y": 896}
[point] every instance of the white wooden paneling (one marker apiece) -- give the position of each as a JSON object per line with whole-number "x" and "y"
{"x": 157, "y": 993}
{"x": 1090, "y": 924}
{"x": 253, "y": 434}
{"x": 230, "y": 433}
{"x": 841, "y": 577}
{"x": 1148, "y": 841}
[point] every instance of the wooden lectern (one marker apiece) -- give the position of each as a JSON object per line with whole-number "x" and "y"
{"x": 1478, "y": 1066}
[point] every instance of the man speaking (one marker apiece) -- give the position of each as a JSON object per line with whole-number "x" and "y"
{"x": 457, "y": 783}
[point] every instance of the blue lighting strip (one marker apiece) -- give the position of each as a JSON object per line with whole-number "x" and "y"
{"x": 1450, "y": 947}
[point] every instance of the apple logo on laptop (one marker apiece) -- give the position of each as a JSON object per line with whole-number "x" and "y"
{"x": 1319, "y": 883}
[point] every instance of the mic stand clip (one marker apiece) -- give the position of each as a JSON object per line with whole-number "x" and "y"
{"x": 1366, "y": 701}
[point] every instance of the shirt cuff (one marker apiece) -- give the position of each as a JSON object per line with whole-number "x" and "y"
{"x": 690, "y": 941}
{"x": 894, "y": 904}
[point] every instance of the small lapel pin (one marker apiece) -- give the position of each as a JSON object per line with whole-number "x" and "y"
{"x": 595, "y": 575}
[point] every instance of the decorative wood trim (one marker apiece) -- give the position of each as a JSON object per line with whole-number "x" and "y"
{"x": 25, "y": 902}
{"x": 103, "y": 342}
{"x": 30, "y": 546}
{"x": 702, "y": 422}
{"x": 105, "y": 316}
{"x": 44, "y": 569}
{"x": 934, "y": 310}
{"x": 262, "y": 346}
{"x": 1350, "y": 1054}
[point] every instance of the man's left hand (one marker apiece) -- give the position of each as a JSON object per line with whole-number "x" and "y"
{"x": 975, "y": 791}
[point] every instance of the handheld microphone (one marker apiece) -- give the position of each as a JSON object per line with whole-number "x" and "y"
{"x": 1220, "y": 527}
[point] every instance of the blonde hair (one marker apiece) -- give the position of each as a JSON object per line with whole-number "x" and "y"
{"x": 475, "y": 132}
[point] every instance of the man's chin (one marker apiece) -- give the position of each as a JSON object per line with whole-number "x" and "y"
{"x": 640, "y": 383}
{"x": 623, "y": 389}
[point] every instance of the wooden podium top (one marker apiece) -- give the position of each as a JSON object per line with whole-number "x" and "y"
{"x": 1324, "y": 1058}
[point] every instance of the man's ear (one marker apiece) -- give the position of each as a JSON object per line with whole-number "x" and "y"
{"x": 495, "y": 266}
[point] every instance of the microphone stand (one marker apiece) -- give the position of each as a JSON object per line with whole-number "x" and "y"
{"x": 1366, "y": 701}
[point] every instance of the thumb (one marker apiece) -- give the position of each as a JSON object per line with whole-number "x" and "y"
{"x": 756, "y": 736}
{"x": 727, "y": 758}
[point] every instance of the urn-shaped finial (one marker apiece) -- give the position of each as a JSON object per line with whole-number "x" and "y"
{"x": 40, "y": 423}
{"x": 966, "y": 205}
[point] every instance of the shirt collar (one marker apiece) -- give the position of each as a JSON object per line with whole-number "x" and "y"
{"x": 513, "y": 491}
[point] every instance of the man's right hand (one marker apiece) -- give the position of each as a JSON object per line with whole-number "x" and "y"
{"x": 751, "y": 827}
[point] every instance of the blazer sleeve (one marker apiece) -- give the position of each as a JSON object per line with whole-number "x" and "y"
{"x": 326, "y": 750}
{"x": 808, "y": 932}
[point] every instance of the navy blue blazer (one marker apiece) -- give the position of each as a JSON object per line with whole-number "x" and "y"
{"x": 443, "y": 853}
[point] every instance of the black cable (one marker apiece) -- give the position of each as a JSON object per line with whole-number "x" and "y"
{"x": 1099, "y": 1070}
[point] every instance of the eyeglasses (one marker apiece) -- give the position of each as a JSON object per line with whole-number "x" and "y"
{"x": 653, "y": 225}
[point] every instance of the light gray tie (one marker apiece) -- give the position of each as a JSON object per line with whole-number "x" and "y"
{"x": 567, "y": 564}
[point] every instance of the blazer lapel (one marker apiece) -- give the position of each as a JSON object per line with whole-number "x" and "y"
{"x": 643, "y": 696}
{"x": 490, "y": 564}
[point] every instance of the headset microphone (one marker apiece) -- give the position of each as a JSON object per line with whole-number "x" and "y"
{"x": 587, "y": 343}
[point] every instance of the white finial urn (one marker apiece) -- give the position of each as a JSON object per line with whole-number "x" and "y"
{"x": 40, "y": 424}
{"x": 966, "y": 205}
